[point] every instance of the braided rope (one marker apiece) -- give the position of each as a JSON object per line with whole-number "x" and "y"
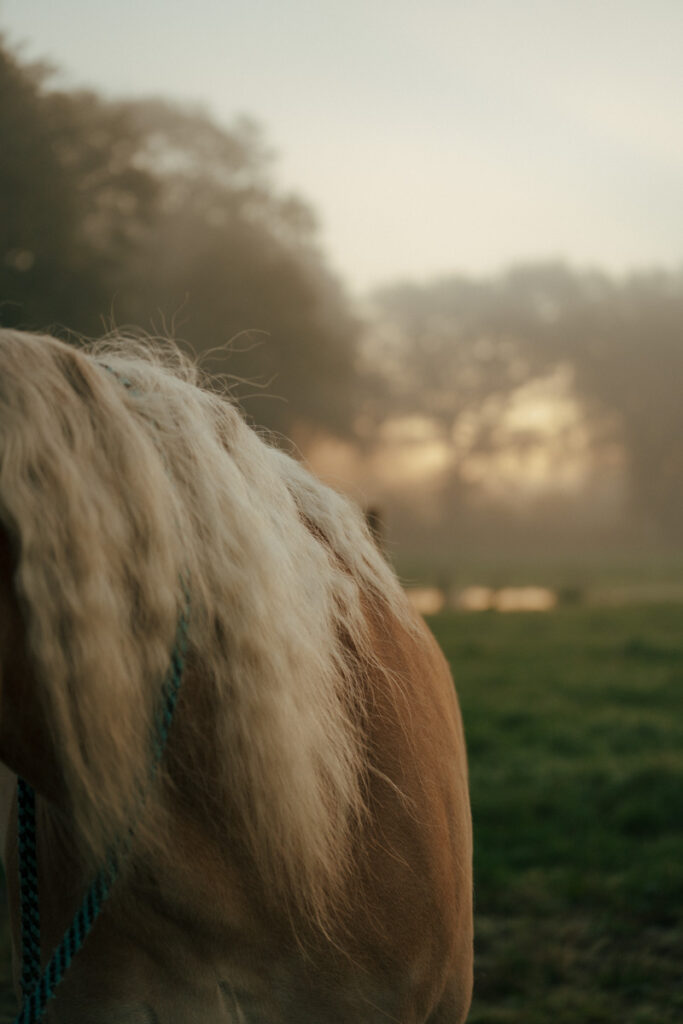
{"x": 34, "y": 1006}
{"x": 39, "y": 988}
{"x": 28, "y": 885}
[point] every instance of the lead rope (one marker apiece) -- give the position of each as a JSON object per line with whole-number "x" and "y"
{"x": 38, "y": 988}
{"x": 28, "y": 873}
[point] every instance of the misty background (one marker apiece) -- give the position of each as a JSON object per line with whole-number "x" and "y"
{"x": 527, "y": 416}
{"x": 436, "y": 250}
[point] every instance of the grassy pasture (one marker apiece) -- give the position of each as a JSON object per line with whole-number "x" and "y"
{"x": 574, "y": 722}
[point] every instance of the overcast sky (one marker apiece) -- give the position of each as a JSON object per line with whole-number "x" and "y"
{"x": 430, "y": 137}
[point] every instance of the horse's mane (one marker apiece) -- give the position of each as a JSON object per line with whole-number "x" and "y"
{"x": 120, "y": 472}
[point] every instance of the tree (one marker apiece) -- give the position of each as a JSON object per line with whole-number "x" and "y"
{"x": 148, "y": 214}
{"x": 451, "y": 347}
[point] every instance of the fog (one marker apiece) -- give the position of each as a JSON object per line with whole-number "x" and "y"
{"x": 530, "y": 413}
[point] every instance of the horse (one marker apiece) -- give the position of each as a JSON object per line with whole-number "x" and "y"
{"x": 300, "y": 851}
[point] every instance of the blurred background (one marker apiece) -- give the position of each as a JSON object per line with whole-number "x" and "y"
{"x": 438, "y": 250}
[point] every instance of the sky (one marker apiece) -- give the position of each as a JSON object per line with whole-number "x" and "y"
{"x": 430, "y": 138}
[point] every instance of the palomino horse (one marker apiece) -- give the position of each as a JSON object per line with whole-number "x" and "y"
{"x": 300, "y": 851}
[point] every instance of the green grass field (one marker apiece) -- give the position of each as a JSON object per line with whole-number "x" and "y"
{"x": 574, "y": 724}
{"x": 575, "y": 731}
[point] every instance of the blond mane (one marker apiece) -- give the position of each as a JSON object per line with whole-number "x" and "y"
{"x": 118, "y": 473}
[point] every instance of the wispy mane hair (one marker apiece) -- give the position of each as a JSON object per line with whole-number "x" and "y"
{"x": 120, "y": 473}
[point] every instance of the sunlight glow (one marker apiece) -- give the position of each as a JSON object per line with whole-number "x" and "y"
{"x": 538, "y": 443}
{"x": 409, "y": 454}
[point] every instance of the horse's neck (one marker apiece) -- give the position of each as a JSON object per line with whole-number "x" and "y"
{"x": 164, "y": 948}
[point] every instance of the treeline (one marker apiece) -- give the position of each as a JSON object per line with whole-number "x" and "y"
{"x": 147, "y": 214}
{"x": 457, "y": 351}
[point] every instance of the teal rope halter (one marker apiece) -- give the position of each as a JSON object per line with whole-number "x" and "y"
{"x": 39, "y": 987}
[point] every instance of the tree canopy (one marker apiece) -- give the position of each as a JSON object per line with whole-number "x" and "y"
{"x": 144, "y": 213}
